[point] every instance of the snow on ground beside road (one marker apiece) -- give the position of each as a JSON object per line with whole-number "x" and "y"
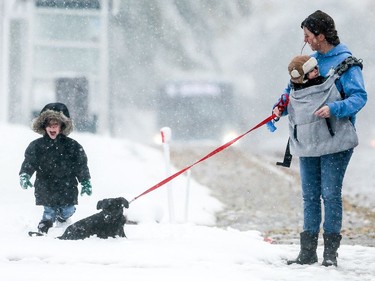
{"x": 184, "y": 250}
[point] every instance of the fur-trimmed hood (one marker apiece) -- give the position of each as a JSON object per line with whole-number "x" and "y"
{"x": 56, "y": 111}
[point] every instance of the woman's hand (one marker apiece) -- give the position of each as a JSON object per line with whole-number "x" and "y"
{"x": 323, "y": 112}
{"x": 277, "y": 111}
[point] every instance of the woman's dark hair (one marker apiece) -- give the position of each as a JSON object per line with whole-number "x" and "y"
{"x": 321, "y": 23}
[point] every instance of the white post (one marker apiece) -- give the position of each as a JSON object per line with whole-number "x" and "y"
{"x": 188, "y": 175}
{"x": 166, "y": 135}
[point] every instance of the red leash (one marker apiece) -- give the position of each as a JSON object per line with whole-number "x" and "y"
{"x": 217, "y": 150}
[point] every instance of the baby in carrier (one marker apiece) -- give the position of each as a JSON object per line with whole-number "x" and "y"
{"x": 304, "y": 72}
{"x": 310, "y": 134}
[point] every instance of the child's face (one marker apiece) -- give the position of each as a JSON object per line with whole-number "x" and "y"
{"x": 313, "y": 73}
{"x": 53, "y": 128}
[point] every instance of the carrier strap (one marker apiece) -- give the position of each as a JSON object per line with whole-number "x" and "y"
{"x": 347, "y": 63}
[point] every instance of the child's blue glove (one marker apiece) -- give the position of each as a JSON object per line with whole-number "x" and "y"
{"x": 86, "y": 187}
{"x": 25, "y": 181}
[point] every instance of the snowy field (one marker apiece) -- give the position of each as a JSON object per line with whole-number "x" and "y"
{"x": 190, "y": 248}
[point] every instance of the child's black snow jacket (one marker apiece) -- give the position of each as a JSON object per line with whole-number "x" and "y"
{"x": 58, "y": 165}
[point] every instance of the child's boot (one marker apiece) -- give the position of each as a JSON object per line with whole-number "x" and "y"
{"x": 44, "y": 225}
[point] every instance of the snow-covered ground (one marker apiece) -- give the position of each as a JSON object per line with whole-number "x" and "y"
{"x": 189, "y": 248}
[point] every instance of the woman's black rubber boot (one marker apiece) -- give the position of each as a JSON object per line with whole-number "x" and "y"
{"x": 331, "y": 245}
{"x": 307, "y": 254}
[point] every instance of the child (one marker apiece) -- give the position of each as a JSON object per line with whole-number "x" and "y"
{"x": 58, "y": 162}
{"x": 304, "y": 72}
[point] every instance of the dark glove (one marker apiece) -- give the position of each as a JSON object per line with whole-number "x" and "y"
{"x": 25, "y": 181}
{"x": 86, "y": 187}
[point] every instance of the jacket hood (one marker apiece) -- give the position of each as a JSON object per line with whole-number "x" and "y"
{"x": 340, "y": 49}
{"x": 332, "y": 58}
{"x": 56, "y": 111}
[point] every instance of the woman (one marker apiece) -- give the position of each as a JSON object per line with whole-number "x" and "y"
{"x": 322, "y": 172}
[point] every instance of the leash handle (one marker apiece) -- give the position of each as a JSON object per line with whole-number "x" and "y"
{"x": 281, "y": 105}
{"x": 283, "y": 102}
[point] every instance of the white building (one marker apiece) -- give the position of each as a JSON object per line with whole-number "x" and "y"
{"x": 55, "y": 50}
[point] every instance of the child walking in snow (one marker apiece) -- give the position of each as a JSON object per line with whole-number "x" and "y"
{"x": 59, "y": 163}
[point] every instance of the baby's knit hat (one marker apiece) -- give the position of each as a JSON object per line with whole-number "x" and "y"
{"x": 300, "y": 66}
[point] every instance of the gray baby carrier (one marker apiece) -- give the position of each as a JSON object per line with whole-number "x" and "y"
{"x": 310, "y": 135}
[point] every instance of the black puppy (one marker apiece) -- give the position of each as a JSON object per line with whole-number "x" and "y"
{"x": 108, "y": 223}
